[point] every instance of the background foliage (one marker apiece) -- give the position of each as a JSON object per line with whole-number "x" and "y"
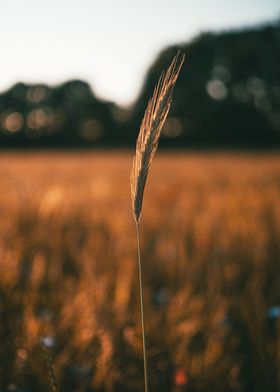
{"x": 228, "y": 94}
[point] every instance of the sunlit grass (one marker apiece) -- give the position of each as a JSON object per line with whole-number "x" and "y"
{"x": 69, "y": 277}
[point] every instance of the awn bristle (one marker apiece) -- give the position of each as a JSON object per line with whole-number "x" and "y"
{"x": 150, "y": 129}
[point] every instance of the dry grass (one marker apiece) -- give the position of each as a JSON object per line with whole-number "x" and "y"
{"x": 211, "y": 275}
{"x": 150, "y": 130}
{"x": 146, "y": 146}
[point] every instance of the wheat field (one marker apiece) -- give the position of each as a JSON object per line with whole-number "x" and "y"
{"x": 211, "y": 265}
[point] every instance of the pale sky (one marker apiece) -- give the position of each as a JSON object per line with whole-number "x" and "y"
{"x": 109, "y": 43}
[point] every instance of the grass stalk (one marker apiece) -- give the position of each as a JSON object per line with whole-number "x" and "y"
{"x": 52, "y": 377}
{"x": 142, "y": 309}
{"x": 146, "y": 146}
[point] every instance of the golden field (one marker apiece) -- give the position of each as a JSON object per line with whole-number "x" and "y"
{"x": 210, "y": 235}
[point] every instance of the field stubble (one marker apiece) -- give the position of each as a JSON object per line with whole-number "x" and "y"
{"x": 211, "y": 255}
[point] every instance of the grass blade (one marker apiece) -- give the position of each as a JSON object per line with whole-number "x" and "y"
{"x": 146, "y": 146}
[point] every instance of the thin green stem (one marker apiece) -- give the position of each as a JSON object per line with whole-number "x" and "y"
{"x": 142, "y": 310}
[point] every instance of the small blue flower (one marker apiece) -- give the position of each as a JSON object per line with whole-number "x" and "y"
{"x": 48, "y": 341}
{"x": 161, "y": 297}
{"x": 273, "y": 312}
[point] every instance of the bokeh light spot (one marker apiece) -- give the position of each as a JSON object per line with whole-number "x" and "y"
{"x": 180, "y": 378}
{"x": 173, "y": 127}
{"x": 48, "y": 341}
{"x": 221, "y": 72}
{"x": 37, "y": 94}
{"x": 256, "y": 87}
{"x": 13, "y": 122}
{"x": 92, "y": 130}
{"x": 36, "y": 119}
{"x": 216, "y": 89}
{"x": 41, "y": 118}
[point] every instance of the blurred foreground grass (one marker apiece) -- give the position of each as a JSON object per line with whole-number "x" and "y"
{"x": 211, "y": 252}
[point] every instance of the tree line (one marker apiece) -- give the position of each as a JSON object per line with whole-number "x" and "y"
{"x": 228, "y": 95}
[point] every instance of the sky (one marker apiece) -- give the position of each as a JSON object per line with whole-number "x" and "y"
{"x": 109, "y": 43}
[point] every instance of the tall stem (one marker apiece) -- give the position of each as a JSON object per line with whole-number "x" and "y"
{"x": 142, "y": 310}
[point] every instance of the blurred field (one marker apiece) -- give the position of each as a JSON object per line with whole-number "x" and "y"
{"x": 211, "y": 251}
